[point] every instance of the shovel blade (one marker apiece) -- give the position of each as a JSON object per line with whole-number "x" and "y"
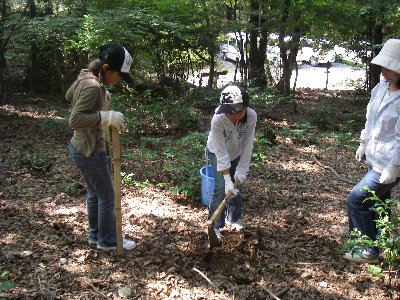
{"x": 212, "y": 237}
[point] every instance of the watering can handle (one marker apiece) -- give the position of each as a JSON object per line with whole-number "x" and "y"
{"x": 207, "y": 160}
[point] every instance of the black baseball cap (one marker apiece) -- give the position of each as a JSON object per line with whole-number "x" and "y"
{"x": 119, "y": 59}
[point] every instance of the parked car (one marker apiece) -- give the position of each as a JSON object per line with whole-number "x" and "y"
{"x": 315, "y": 53}
{"x": 229, "y": 52}
{"x": 316, "y": 57}
{"x": 273, "y": 53}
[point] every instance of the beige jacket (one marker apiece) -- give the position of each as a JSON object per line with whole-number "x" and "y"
{"x": 88, "y": 96}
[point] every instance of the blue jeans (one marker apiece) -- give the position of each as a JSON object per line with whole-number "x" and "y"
{"x": 99, "y": 196}
{"x": 233, "y": 211}
{"x": 361, "y": 214}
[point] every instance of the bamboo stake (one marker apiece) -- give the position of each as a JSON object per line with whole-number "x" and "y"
{"x": 116, "y": 166}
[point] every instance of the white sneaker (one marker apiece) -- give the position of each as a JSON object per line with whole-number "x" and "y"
{"x": 126, "y": 244}
{"x": 362, "y": 257}
{"x": 218, "y": 233}
{"x": 235, "y": 225}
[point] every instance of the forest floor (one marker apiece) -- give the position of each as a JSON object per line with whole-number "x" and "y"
{"x": 294, "y": 215}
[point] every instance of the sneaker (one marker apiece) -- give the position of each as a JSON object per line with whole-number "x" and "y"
{"x": 364, "y": 257}
{"x": 218, "y": 233}
{"x": 126, "y": 245}
{"x": 235, "y": 225}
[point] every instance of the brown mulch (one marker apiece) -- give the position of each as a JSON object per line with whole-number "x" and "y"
{"x": 294, "y": 216}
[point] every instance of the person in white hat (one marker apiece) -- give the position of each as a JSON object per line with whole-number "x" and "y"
{"x": 380, "y": 148}
{"x": 230, "y": 145}
{"x": 89, "y": 97}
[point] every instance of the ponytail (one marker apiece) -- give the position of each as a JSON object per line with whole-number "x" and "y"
{"x": 95, "y": 67}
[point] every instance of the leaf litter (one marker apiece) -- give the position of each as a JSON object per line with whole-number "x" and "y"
{"x": 294, "y": 215}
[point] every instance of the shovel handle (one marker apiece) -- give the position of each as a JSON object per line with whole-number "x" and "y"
{"x": 116, "y": 167}
{"x": 221, "y": 207}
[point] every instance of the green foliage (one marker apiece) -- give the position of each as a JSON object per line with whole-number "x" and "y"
{"x": 59, "y": 125}
{"x": 182, "y": 163}
{"x": 347, "y": 140}
{"x": 155, "y": 143}
{"x": 303, "y": 133}
{"x": 180, "y": 160}
{"x": 375, "y": 271}
{"x": 388, "y": 224}
{"x": 36, "y": 161}
{"x": 127, "y": 180}
{"x": 4, "y": 283}
{"x": 68, "y": 187}
{"x": 321, "y": 117}
{"x": 265, "y": 98}
{"x": 155, "y": 114}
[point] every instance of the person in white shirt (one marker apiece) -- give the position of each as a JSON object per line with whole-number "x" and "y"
{"x": 230, "y": 145}
{"x": 380, "y": 147}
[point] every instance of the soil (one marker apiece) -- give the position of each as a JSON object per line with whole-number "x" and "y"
{"x": 294, "y": 215}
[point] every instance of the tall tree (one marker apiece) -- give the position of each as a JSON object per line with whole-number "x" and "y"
{"x": 10, "y": 21}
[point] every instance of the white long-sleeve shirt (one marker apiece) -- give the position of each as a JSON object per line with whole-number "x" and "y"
{"x": 228, "y": 141}
{"x": 382, "y": 128}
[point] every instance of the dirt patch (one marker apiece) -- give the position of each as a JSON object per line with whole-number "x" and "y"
{"x": 294, "y": 216}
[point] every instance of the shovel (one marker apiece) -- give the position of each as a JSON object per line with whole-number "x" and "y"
{"x": 212, "y": 237}
{"x": 116, "y": 167}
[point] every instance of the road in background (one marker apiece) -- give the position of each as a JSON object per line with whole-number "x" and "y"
{"x": 340, "y": 76}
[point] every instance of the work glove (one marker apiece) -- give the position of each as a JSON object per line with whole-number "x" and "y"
{"x": 229, "y": 187}
{"x": 389, "y": 174}
{"x": 360, "y": 153}
{"x": 113, "y": 118}
{"x": 240, "y": 177}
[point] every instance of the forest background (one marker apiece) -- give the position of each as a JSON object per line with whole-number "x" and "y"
{"x": 296, "y": 201}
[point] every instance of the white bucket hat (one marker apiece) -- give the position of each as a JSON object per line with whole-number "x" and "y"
{"x": 389, "y": 56}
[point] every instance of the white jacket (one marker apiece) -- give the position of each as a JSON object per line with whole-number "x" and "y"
{"x": 382, "y": 129}
{"x": 229, "y": 141}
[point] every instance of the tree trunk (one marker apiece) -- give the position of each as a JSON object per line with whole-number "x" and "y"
{"x": 33, "y": 76}
{"x": 212, "y": 75}
{"x": 257, "y": 48}
{"x": 3, "y": 42}
{"x": 284, "y": 83}
{"x": 48, "y": 4}
{"x": 254, "y": 21}
{"x": 375, "y": 71}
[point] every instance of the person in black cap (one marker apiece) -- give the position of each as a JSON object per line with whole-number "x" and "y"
{"x": 229, "y": 148}
{"x": 89, "y": 99}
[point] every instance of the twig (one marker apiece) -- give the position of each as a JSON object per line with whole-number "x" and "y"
{"x": 332, "y": 169}
{"x": 314, "y": 263}
{"x": 282, "y": 291}
{"x": 98, "y": 292}
{"x": 272, "y": 294}
{"x": 40, "y": 285}
{"x": 205, "y": 277}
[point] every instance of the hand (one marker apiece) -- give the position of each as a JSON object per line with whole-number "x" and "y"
{"x": 113, "y": 118}
{"x": 360, "y": 153}
{"x": 389, "y": 174}
{"x": 229, "y": 187}
{"x": 240, "y": 177}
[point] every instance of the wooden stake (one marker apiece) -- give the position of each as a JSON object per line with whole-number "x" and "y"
{"x": 116, "y": 166}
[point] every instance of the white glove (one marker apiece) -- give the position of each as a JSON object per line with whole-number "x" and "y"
{"x": 113, "y": 118}
{"x": 389, "y": 174}
{"x": 229, "y": 187}
{"x": 240, "y": 177}
{"x": 360, "y": 153}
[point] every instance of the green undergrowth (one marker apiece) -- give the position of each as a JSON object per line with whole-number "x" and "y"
{"x": 163, "y": 145}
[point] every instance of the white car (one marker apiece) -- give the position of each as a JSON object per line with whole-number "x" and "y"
{"x": 316, "y": 57}
{"x": 229, "y": 52}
